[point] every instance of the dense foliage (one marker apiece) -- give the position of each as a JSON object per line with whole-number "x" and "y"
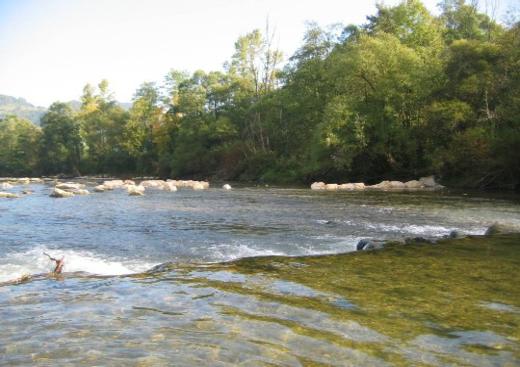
{"x": 404, "y": 95}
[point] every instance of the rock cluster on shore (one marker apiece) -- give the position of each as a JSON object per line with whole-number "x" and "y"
{"x": 424, "y": 183}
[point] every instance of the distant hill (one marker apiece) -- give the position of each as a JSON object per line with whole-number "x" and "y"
{"x": 21, "y": 108}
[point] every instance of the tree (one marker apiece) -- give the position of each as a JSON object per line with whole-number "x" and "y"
{"x": 19, "y": 140}
{"x": 61, "y": 143}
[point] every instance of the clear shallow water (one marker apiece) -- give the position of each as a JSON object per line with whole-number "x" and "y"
{"x": 434, "y": 305}
{"x": 113, "y": 233}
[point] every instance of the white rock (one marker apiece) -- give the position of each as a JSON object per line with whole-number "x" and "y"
{"x": 99, "y": 188}
{"x": 113, "y": 184}
{"x": 170, "y": 186}
{"x": 429, "y": 182}
{"x": 331, "y": 187}
{"x": 197, "y": 186}
{"x": 5, "y": 186}
{"x": 8, "y": 195}
{"x": 359, "y": 186}
{"x": 226, "y": 187}
{"x": 135, "y": 190}
{"x": 318, "y": 186}
{"x": 413, "y": 184}
{"x": 68, "y": 186}
{"x": 81, "y": 192}
{"x": 58, "y": 193}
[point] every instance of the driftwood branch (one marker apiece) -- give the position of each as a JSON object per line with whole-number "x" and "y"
{"x": 59, "y": 263}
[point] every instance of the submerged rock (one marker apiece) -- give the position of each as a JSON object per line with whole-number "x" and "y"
{"x": 8, "y": 195}
{"x": 498, "y": 228}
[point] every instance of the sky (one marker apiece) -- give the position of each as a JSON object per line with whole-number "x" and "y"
{"x": 49, "y": 49}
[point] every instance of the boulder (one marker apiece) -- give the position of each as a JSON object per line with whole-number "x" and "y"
{"x": 498, "y": 228}
{"x": 113, "y": 184}
{"x": 413, "y": 184}
{"x": 8, "y": 195}
{"x": 347, "y": 186}
{"x": 156, "y": 184}
{"x": 198, "y": 186}
{"x": 331, "y": 187}
{"x": 429, "y": 182}
{"x": 170, "y": 186}
{"x": 389, "y": 185}
{"x": 58, "y": 193}
{"x": 318, "y": 186}
{"x": 134, "y": 190}
{"x": 70, "y": 186}
{"x": 81, "y": 192}
{"x": 368, "y": 244}
{"x": 226, "y": 187}
{"x": 397, "y": 185}
{"x": 359, "y": 186}
{"x": 99, "y": 188}
{"x": 383, "y": 185}
{"x": 456, "y": 234}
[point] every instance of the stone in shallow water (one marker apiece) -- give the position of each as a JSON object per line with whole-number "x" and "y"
{"x": 498, "y": 228}
{"x": 368, "y": 244}
{"x": 58, "y": 193}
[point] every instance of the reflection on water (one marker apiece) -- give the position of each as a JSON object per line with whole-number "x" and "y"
{"x": 451, "y": 304}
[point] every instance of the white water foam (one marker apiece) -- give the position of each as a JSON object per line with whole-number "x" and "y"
{"x": 33, "y": 261}
{"x": 231, "y": 252}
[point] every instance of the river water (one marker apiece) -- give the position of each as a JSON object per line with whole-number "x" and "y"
{"x": 450, "y": 304}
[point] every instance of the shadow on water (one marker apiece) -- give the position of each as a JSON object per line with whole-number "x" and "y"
{"x": 454, "y": 303}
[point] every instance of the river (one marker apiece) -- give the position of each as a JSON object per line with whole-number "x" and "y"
{"x": 216, "y": 301}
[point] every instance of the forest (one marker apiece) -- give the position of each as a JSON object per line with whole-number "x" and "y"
{"x": 406, "y": 94}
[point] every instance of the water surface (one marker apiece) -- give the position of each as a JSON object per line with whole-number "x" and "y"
{"x": 455, "y": 303}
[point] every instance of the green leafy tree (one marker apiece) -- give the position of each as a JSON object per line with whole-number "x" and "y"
{"x": 61, "y": 143}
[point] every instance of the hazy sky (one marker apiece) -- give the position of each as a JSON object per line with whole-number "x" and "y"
{"x": 49, "y": 49}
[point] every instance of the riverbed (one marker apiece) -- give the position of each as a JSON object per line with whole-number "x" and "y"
{"x": 216, "y": 300}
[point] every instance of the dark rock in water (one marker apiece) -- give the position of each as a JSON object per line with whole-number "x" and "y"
{"x": 456, "y": 234}
{"x": 498, "y": 228}
{"x": 367, "y": 244}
